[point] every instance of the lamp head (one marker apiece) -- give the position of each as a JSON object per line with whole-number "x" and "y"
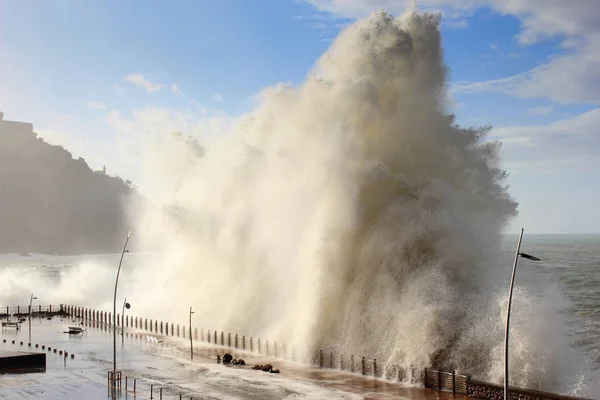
{"x": 127, "y": 306}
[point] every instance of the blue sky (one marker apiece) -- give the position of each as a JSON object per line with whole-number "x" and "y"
{"x": 89, "y": 74}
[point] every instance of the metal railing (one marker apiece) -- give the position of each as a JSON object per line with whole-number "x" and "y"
{"x": 35, "y": 309}
{"x": 321, "y": 359}
{"x": 445, "y": 381}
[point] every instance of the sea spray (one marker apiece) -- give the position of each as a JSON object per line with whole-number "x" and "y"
{"x": 349, "y": 212}
{"x": 346, "y": 213}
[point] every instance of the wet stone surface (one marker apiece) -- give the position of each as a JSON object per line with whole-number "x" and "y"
{"x": 167, "y": 365}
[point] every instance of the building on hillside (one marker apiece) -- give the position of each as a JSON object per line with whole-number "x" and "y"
{"x": 15, "y": 127}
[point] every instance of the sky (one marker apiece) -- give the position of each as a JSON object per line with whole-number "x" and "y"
{"x": 97, "y": 77}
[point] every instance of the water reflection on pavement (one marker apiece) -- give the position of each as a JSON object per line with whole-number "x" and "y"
{"x": 166, "y": 365}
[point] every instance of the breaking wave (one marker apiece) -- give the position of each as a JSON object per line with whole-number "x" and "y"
{"x": 350, "y": 213}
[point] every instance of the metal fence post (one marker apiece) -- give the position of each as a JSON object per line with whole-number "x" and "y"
{"x": 453, "y": 381}
{"x": 375, "y": 367}
{"x": 363, "y": 366}
{"x": 320, "y": 358}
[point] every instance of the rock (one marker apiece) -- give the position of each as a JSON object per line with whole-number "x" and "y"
{"x": 218, "y": 358}
{"x": 274, "y": 371}
{"x": 227, "y": 358}
{"x": 235, "y": 362}
{"x": 241, "y": 362}
{"x": 267, "y": 367}
{"x": 257, "y": 367}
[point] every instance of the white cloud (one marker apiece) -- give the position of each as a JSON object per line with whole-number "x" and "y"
{"x": 494, "y": 46}
{"x": 141, "y": 81}
{"x": 218, "y": 97}
{"x": 541, "y": 110}
{"x": 458, "y": 24}
{"x": 571, "y": 143}
{"x": 96, "y": 105}
{"x": 175, "y": 89}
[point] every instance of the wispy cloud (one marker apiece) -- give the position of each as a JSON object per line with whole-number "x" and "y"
{"x": 218, "y": 98}
{"x": 540, "y": 110}
{"x": 571, "y": 142}
{"x": 141, "y": 81}
{"x": 457, "y": 24}
{"x": 175, "y": 89}
{"x": 118, "y": 88}
{"x": 96, "y": 105}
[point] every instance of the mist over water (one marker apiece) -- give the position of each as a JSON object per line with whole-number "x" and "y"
{"x": 351, "y": 213}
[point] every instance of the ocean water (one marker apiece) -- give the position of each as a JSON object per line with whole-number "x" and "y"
{"x": 568, "y": 277}
{"x": 572, "y": 264}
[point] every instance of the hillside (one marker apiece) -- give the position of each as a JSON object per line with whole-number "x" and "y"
{"x": 54, "y": 204}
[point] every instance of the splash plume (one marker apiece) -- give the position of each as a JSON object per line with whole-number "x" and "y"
{"x": 349, "y": 212}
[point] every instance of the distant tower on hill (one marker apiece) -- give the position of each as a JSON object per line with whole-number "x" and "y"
{"x": 102, "y": 171}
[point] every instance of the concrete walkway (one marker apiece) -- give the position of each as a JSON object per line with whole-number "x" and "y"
{"x": 167, "y": 366}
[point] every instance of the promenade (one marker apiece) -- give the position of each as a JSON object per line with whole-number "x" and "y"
{"x": 167, "y": 366}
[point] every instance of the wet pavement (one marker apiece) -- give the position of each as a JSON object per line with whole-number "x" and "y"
{"x": 167, "y": 366}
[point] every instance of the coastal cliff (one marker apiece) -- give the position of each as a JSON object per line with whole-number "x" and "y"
{"x": 54, "y": 204}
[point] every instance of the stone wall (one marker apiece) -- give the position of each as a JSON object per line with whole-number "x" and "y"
{"x": 490, "y": 391}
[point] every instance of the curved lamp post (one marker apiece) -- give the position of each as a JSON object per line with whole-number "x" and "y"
{"x": 191, "y": 342}
{"x": 510, "y": 292}
{"x": 30, "y": 302}
{"x": 115, "y": 308}
{"x": 126, "y": 305}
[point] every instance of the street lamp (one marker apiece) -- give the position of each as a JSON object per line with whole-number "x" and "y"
{"x": 510, "y": 292}
{"x": 30, "y": 302}
{"x": 191, "y": 342}
{"x": 115, "y": 308}
{"x": 126, "y": 305}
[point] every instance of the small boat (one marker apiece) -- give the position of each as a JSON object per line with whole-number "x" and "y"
{"x": 13, "y": 324}
{"x": 75, "y": 330}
